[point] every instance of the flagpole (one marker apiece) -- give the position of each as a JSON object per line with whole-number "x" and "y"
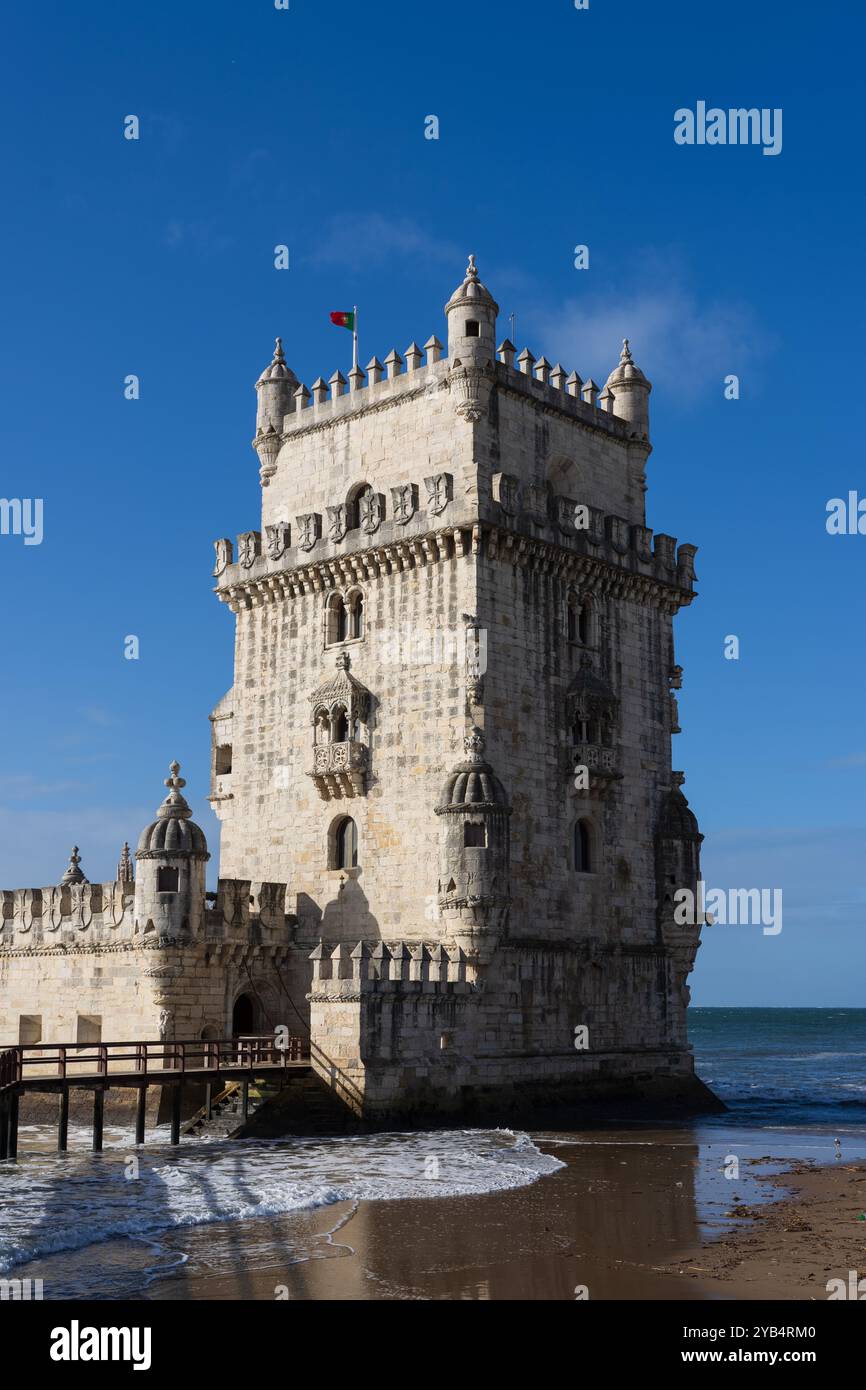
{"x": 355, "y": 339}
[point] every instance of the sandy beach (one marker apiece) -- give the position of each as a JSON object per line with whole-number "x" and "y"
{"x": 629, "y": 1217}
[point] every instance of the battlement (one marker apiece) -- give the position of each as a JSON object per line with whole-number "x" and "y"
{"x": 523, "y": 521}
{"x": 242, "y": 907}
{"x": 332, "y": 401}
{"x": 78, "y": 915}
{"x": 60, "y": 913}
{"x": 390, "y": 967}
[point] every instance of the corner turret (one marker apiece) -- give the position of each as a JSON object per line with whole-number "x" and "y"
{"x": 171, "y": 855}
{"x": 630, "y": 391}
{"x": 474, "y": 863}
{"x": 275, "y": 389}
{"x": 471, "y": 313}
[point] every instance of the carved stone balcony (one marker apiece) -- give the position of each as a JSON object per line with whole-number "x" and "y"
{"x": 340, "y": 769}
{"x": 601, "y": 762}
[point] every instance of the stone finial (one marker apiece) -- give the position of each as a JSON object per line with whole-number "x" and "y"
{"x": 73, "y": 873}
{"x": 505, "y": 352}
{"x": 525, "y": 361}
{"x": 589, "y": 392}
{"x": 393, "y": 363}
{"x": 124, "y": 867}
{"x": 542, "y": 369}
{"x": 471, "y": 269}
{"x": 573, "y": 384}
{"x": 473, "y": 743}
{"x": 374, "y": 371}
{"x": 279, "y": 355}
{"x": 356, "y": 379}
{"x": 320, "y": 390}
{"x": 433, "y": 349}
{"x": 337, "y": 384}
{"x": 302, "y": 397}
{"x": 413, "y": 357}
{"x": 344, "y": 661}
{"x": 625, "y": 357}
{"x": 175, "y": 806}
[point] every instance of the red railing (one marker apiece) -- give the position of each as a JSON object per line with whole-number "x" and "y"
{"x": 77, "y": 1061}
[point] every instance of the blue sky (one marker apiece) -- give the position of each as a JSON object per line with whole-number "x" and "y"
{"x": 306, "y": 127}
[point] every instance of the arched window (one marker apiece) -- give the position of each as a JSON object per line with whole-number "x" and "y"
{"x": 336, "y": 620}
{"x": 356, "y": 615}
{"x": 339, "y": 725}
{"x": 577, "y": 619}
{"x": 341, "y": 621}
{"x": 346, "y": 844}
{"x": 583, "y": 847}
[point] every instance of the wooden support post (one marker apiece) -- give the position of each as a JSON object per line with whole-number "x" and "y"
{"x": 98, "y": 1116}
{"x": 12, "y": 1147}
{"x": 175, "y": 1113}
{"x": 245, "y": 1098}
{"x": 4, "y": 1130}
{"x": 63, "y": 1122}
{"x": 140, "y": 1111}
{"x": 208, "y": 1100}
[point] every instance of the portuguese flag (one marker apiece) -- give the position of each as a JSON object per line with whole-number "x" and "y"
{"x": 343, "y": 319}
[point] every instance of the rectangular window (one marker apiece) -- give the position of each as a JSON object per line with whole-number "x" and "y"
{"x": 29, "y": 1029}
{"x": 475, "y": 835}
{"x": 223, "y": 760}
{"x": 166, "y": 880}
{"x": 88, "y": 1029}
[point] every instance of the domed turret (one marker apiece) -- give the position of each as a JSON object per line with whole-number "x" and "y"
{"x": 275, "y": 389}
{"x": 631, "y": 391}
{"x": 474, "y": 889}
{"x": 471, "y": 312}
{"x": 171, "y": 855}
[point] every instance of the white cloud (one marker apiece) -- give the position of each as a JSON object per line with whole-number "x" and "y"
{"x": 359, "y": 240}
{"x": 681, "y": 342}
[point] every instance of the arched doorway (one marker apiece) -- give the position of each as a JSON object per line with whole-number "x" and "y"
{"x": 243, "y": 1017}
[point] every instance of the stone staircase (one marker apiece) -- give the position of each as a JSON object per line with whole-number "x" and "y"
{"x": 300, "y": 1105}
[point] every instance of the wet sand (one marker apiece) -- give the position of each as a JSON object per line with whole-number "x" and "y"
{"x": 789, "y": 1249}
{"x": 630, "y": 1216}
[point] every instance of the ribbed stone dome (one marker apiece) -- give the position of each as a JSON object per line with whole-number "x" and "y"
{"x": 277, "y": 370}
{"x": 172, "y": 837}
{"x": 173, "y": 832}
{"x": 678, "y": 821}
{"x": 471, "y": 291}
{"x": 473, "y": 785}
{"x": 627, "y": 370}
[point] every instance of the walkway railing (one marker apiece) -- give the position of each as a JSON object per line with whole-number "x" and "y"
{"x": 34, "y": 1062}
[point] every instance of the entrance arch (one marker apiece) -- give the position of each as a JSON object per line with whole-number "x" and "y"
{"x": 243, "y": 1016}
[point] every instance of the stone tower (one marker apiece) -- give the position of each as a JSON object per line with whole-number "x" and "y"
{"x": 476, "y": 816}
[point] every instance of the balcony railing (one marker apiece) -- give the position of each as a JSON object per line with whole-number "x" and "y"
{"x": 340, "y": 769}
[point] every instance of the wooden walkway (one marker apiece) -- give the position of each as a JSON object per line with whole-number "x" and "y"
{"x": 62, "y": 1067}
